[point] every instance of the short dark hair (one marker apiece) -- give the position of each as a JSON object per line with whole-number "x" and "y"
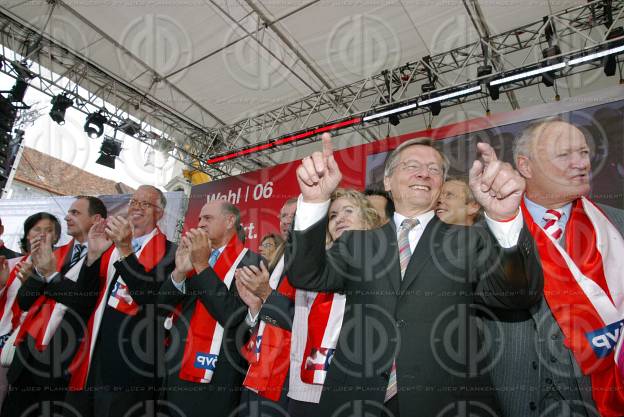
{"x": 389, "y": 203}
{"x": 31, "y": 221}
{"x": 96, "y": 206}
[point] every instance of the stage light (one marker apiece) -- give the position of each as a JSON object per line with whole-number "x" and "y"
{"x": 448, "y": 96}
{"x": 435, "y": 107}
{"x": 60, "y": 104}
{"x": 394, "y": 120}
{"x": 390, "y": 112}
{"x": 528, "y": 74}
{"x": 549, "y": 77}
{"x": 17, "y": 93}
{"x": 493, "y": 91}
{"x": 110, "y": 149}
{"x": 129, "y": 127}
{"x": 94, "y": 125}
{"x": 610, "y": 61}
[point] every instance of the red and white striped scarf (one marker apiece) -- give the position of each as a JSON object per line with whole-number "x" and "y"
{"x": 324, "y": 324}
{"x": 9, "y": 309}
{"x": 584, "y": 288}
{"x": 45, "y": 315}
{"x": 268, "y": 350}
{"x": 149, "y": 256}
{"x": 205, "y": 334}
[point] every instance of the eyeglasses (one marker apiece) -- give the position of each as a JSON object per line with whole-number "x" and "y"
{"x": 415, "y": 166}
{"x": 142, "y": 204}
{"x": 267, "y": 245}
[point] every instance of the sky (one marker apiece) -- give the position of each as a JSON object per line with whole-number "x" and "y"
{"x": 71, "y": 144}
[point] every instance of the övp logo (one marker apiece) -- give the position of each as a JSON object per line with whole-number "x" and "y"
{"x": 206, "y": 361}
{"x": 604, "y": 340}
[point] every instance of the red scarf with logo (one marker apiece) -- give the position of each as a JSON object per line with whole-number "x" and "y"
{"x": 324, "y": 325}
{"x": 205, "y": 334}
{"x": 149, "y": 256}
{"x": 268, "y": 349}
{"x": 583, "y": 286}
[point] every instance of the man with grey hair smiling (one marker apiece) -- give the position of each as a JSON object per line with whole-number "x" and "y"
{"x": 411, "y": 284}
{"x": 558, "y": 357}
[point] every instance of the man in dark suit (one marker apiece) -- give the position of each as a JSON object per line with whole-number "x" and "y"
{"x": 409, "y": 343}
{"x": 536, "y": 373}
{"x": 58, "y": 297}
{"x": 4, "y": 251}
{"x": 120, "y": 364}
{"x": 204, "y": 367}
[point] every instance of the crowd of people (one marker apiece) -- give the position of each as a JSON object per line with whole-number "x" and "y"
{"x": 499, "y": 294}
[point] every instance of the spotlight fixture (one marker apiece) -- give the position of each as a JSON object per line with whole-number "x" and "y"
{"x": 434, "y": 106}
{"x": 94, "y": 125}
{"x": 111, "y": 148}
{"x": 60, "y": 104}
{"x": 394, "y": 120}
{"x": 610, "y": 61}
{"x": 17, "y": 93}
{"x": 129, "y": 127}
{"x": 493, "y": 90}
{"x": 548, "y": 78}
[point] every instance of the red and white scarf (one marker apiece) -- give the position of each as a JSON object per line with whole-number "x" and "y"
{"x": 324, "y": 324}
{"x": 150, "y": 254}
{"x": 45, "y": 315}
{"x": 9, "y": 309}
{"x": 584, "y": 288}
{"x": 268, "y": 349}
{"x": 205, "y": 334}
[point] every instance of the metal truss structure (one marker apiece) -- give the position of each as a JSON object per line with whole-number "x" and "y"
{"x": 578, "y": 29}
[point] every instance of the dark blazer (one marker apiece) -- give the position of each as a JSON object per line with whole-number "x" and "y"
{"x": 220, "y": 397}
{"x": 8, "y": 253}
{"x": 426, "y": 321}
{"x": 136, "y": 341}
{"x": 50, "y": 366}
{"x": 533, "y": 371}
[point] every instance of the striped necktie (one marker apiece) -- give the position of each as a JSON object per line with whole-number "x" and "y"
{"x": 405, "y": 253}
{"x": 213, "y": 257}
{"x": 551, "y": 223}
{"x": 78, "y": 248}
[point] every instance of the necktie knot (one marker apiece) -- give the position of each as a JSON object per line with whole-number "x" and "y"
{"x": 136, "y": 246}
{"x": 213, "y": 257}
{"x": 408, "y": 224}
{"x": 77, "y": 254}
{"x": 551, "y": 223}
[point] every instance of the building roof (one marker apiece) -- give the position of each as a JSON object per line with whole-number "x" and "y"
{"x": 57, "y": 177}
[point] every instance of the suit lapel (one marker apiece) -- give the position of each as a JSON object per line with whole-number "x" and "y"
{"x": 422, "y": 253}
{"x": 389, "y": 235}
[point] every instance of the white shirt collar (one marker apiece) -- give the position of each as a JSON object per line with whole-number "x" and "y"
{"x": 423, "y": 219}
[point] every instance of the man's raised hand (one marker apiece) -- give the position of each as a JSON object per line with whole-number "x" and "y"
{"x": 319, "y": 175}
{"x": 496, "y": 185}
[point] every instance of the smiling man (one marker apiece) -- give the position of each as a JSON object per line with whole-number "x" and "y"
{"x": 456, "y": 204}
{"x": 120, "y": 366}
{"x": 554, "y": 353}
{"x": 410, "y": 283}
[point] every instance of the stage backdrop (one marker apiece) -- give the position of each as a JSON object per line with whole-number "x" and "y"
{"x": 14, "y": 213}
{"x": 260, "y": 194}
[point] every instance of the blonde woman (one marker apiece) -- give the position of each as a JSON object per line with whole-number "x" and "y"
{"x": 318, "y": 316}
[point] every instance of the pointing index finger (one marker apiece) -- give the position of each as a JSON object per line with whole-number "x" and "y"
{"x": 487, "y": 152}
{"x": 328, "y": 149}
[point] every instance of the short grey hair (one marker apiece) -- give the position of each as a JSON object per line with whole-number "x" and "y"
{"x": 161, "y": 196}
{"x": 522, "y": 144}
{"x": 393, "y": 158}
